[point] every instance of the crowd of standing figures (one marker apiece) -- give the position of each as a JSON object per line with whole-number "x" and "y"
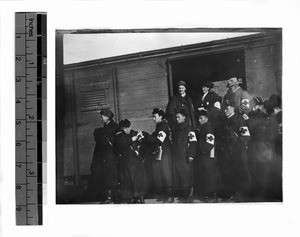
{"x": 215, "y": 149}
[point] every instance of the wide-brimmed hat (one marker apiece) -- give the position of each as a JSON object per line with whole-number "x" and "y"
{"x": 107, "y": 112}
{"x": 233, "y": 81}
{"x": 208, "y": 84}
{"x": 273, "y": 102}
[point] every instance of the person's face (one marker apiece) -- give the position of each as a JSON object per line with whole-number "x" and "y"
{"x": 157, "y": 118}
{"x": 205, "y": 89}
{"x": 232, "y": 88}
{"x": 105, "y": 119}
{"x": 180, "y": 118}
{"x": 127, "y": 130}
{"x": 256, "y": 108}
{"x": 203, "y": 119}
{"x": 229, "y": 110}
{"x": 181, "y": 89}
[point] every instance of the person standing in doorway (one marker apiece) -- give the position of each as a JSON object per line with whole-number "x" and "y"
{"x": 178, "y": 102}
{"x": 208, "y": 97}
{"x": 239, "y": 98}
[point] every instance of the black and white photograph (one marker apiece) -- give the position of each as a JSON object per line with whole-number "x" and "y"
{"x": 169, "y": 115}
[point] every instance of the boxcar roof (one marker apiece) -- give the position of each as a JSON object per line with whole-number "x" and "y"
{"x": 269, "y": 36}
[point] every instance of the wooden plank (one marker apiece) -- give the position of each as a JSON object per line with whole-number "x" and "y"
{"x": 151, "y": 84}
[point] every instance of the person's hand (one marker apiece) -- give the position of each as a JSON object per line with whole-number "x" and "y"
{"x": 134, "y": 138}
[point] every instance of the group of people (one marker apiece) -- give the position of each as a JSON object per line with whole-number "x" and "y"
{"x": 215, "y": 149}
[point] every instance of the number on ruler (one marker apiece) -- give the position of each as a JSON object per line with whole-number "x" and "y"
{"x": 31, "y": 172}
{"x": 18, "y": 59}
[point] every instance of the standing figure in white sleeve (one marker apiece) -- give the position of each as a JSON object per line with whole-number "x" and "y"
{"x": 184, "y": 148}
{"x": 162, "y": 160}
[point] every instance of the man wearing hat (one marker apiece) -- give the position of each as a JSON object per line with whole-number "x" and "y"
{"x": 103, "y": 172}
{"x": 234, "y": 162}
{"x": 178, "y": 102}
{"x": 239, "y": 98}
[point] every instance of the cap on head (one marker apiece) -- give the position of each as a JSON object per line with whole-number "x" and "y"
{"x": 158, "y": 111}
{"x": 208, "y": 84}
{"x": 181, "y": 83}
{"x": 202, "y": 112}
{"x": 257, "y": 101}
{"x": 233, "y": 81}
{"x": 107, "y": 112}
{"x": 228, "y": 103}
{"x": 183, "y": 112}
{"x": 124, "y": 123}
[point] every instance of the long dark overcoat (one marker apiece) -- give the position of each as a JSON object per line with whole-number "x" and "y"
{"x": 206, "y": 155}
{"x": 234, "y": 163}
{"x": 162, "y": 170}
{"x": 176, "y": 103}
{"x": 184, "y": 146}
{"x": 103, "y": 170}
{"x": 261, "y": 153}
{"x": 132, "y": 175}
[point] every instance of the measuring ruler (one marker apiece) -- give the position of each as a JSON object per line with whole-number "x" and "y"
{"x": 31, "y": 87}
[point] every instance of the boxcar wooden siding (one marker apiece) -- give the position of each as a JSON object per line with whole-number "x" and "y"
{"x": 263, "y": 70}
{"x": 142, "y": 84}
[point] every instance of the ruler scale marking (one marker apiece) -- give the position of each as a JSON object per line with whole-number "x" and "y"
{"x": 30, "y": 69}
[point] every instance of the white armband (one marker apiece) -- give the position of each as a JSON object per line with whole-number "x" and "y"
{"x": 161, "y": 136}
{"x": 192, "y": 137}
{"x": 210, "y": 139}
{"x": 244, "y": 131}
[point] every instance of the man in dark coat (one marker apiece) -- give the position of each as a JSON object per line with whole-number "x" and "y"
{"x": 178, "y": 102}
{"x": 234, "y": 165}
{"x": 103, "y": 172}
{"x": 132, "y": 175}
{"x": 184, "y": 148}
{"x": 210, "y": 179}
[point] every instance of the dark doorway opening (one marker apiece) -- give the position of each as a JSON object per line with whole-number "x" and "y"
{"x": 217, "y": 67}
